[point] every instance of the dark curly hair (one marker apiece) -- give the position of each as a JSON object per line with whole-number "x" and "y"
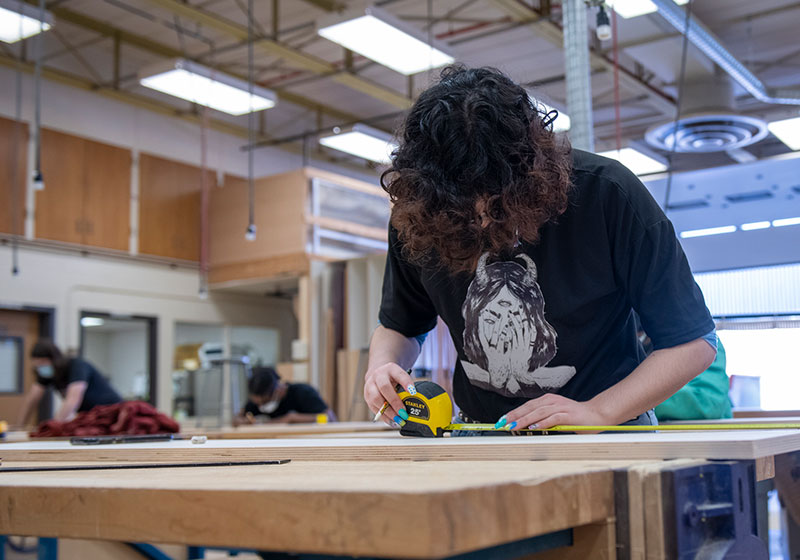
{"x": 474, "y": 138}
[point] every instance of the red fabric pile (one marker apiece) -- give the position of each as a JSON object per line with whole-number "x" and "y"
{"x": 131, "y": 418}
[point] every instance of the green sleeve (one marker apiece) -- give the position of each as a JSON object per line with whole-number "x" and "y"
{"x": 704, "y": 397}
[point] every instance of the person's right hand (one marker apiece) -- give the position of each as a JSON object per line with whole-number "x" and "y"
{"x": 379, "y": 387}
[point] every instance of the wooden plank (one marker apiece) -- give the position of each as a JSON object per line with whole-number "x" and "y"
{"x": 288, "y": 266}
{"x": 787, "y": 482}
{"x": 59, "y": 207}
{"x": 13, "y": 164}
{"x": 81, "y": 549}
{"x": 728, "y": 445}
{"x": 257, "y": 431}
{"x": 169, "y": 208}
{"x": 342, "y": 508}
{"x": 596, "y": 541}
{"x": 765, "y": 468}
{"x": 766, "y": 415}
{"x": 345, "y": 181}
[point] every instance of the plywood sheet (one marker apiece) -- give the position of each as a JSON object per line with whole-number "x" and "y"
{"x": 13, "y": 166}
{"x": 697, "y": 445}
{"x": 351, "y": 508}
{"x": 258, "y": 431}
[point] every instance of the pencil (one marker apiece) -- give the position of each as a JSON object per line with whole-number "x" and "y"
{"x": 381, "y": 411}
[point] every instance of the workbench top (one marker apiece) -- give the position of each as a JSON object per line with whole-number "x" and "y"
{"x": 753, "y": 444}
{"x": 409, "y": 509}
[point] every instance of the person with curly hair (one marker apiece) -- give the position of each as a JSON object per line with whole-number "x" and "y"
{"x": 536, "y": 257}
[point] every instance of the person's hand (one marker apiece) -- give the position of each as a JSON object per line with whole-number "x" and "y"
{"x": 287, "y": 418}
{"x": 379, "y": 387}
{"x": 550, "y": 410}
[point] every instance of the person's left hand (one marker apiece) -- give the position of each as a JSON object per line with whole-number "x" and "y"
{"x": 550, "y": 410}
{"x": 287, "y": 418}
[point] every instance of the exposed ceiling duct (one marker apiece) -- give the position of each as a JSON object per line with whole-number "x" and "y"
{"x": 702, "y": 38}
{"x": 709, "y": 123}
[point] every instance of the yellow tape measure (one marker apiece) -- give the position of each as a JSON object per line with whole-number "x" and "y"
{"x": 430, "y": 412}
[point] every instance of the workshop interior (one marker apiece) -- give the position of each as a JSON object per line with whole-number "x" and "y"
{"x": 311, "y": 279}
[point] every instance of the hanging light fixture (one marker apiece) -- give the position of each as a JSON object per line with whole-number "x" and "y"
{"x": 380, "y": 36}
{"x": 19, "y": 20}
{"x": 362, "y": 141}
{"x": 637, "y": 161}
{"x": 205, "y": 86}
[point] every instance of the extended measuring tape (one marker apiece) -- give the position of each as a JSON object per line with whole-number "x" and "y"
{"x": 430, "y": 412}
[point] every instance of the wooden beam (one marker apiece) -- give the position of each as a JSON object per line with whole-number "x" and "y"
{"x": 154, "y": 47}
{"x": 292, "y": 55}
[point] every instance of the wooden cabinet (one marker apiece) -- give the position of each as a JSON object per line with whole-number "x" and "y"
{"x": 300, "y": 215}
{"x": 169, "y": 208}
{"x": 13, "y": 166}
{"x": 279, "y": 247}
{"x": 86, "y": 199}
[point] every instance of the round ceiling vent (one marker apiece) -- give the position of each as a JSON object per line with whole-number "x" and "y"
{"x": 707, "y": 133}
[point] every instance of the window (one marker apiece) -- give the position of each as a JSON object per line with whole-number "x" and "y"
{"x": 762, "y": 358}
{"x": 11, "y": 364}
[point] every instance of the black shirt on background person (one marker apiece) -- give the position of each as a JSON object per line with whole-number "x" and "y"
{"x": 274, "y": 400}
{"x": 78, "y": 382}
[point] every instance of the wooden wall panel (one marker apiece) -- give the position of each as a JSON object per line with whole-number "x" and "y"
{"x": 13, "y": 161}
{"x": 59, "y": 207}
{"x": 169, "y": 208}
{"x": 107, "y": 196}
{"x": 279, "y": 217}
{"x": 86, "y": 198}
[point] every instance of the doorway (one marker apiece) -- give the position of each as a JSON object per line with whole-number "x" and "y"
{"x": 20, "y": 328}
{"x": 122, "y": 348}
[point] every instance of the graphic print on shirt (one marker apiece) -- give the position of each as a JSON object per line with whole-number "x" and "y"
{"x": 506, "y": 338}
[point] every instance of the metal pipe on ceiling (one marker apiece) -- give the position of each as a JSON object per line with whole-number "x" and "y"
{"x": 579, "y": 85}
{"x": 702, "y": 38}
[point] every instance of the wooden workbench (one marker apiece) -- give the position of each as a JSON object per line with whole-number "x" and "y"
{"x": 383, "y": 497}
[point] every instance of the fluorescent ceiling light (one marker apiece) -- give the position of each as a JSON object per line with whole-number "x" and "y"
{"x": 755, "y": 225}
{"x": 379, "y": 36}
{"x": 636, "y": 161}
{"x": 634, "y": 8}
{"x": 707, "y": 231}
{"x": 562, "y": 122}
{"x": 92, "y": 322}
{"x": 786, "y": 222}
{"x": 205, "y": 86}
{"x": 362, "y": 141}
{"x": 787, "y": 131}
{"x": 19, "y": 20}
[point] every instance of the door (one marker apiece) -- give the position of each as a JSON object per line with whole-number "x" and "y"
{"x": 19, "y": 331}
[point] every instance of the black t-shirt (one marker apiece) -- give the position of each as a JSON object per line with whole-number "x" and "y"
{"x": 98, "y": 389}
{"x": 558, "y": 317}
{"x": 299, "y": 397}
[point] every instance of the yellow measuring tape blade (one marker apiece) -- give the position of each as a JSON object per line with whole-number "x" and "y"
{"x": 646, "y": 428}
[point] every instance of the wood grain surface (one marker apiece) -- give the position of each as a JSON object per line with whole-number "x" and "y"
{"x": 697, "y": 445}
{"x": 414, "y": 510}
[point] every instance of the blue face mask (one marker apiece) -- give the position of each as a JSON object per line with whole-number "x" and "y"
{"x": 45, "y": 371}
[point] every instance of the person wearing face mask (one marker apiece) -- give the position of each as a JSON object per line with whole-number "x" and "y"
{"x": 273, "y": 400}
{"x": 79, "y": 383}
